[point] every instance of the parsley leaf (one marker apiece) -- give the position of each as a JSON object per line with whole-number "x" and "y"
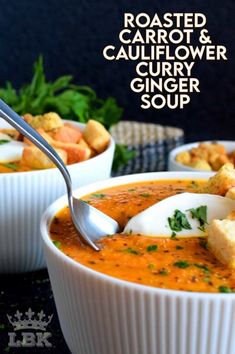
{"x": 70, "y": 101}
{"x": 99, "y": 195}
{"x": 4, "y": 141}
{"x": 151, "y": 248}
{"x": 13, "y": 166}
{"x": 200, "y": 214}
{"x": 179, "y": 221}
{"x": 57, "y": 243}
{"x": 181, "y": 264}
{"x": 131, "y": 250}
{"x": 225, "y": 289}
{"x": 203, "y": 267}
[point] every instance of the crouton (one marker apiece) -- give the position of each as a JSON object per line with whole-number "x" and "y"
{"x": 47, "y": 122}
{"x": 201, "y": 153}
{"x": 27, "y": 117}
{"x": 34, "y": 158}
{"x": 221, "y": 240}
{"x": 66, "y": 134}
{"x": 231, "y": 216}
{"x": 200, "y": 165}
{"x": 221, "y": 182}
{"x": 83, "y": 144}
{"x": 183, "y": 157}
{"x": 96, "y": 135}
{"x": 218, "y": 160}
{"x": 230, "y": 193}
{"x": 218, "y": 148}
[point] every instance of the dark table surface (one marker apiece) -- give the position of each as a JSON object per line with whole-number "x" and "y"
{"x": 24, "y": 291}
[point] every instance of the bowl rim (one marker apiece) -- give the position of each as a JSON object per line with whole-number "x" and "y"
{"x": 173, "y": 153}
{"x": 111, "y": 182}
{"x": 69, "y": 167}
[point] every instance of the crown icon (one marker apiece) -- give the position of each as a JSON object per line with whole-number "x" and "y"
{"x": 29, "y": 321}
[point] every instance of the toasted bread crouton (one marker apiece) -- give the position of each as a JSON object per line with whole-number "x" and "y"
{"x": 221, "y": 240}
{"x": 66, "y": 134}
{"x": 218, "y": 160}
{"x": 27, "y": 117}
{"x": 83, "y": 144}
{"x": 96, "y": 135}
{"x": 47, "y": 122}
{"x": 211, "y": 148}
{"x": 231, "y": 216}
{"x": 221, "y": 182}
{"x": 200, "y": 165}
{"x": 183, "y": 157}
{"x": 230, "y": 193}
{"x": 34, "y": 158}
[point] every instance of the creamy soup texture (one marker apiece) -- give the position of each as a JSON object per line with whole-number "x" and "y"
{"x": 170, "y": 263}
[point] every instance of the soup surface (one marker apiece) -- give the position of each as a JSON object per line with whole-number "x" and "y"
{"x": 171, "y": 263}
{"x": 13, "y": 167}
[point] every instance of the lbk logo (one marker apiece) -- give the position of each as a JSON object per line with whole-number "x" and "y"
{"x": 22, "y": 337}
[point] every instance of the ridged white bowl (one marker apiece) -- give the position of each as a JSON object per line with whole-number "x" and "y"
{"x": 23, "y": 198}
{"x": 173, "y": 165}
{"x": 100, "y": 314}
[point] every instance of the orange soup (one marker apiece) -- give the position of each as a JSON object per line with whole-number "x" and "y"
{"x": 170, "y": 263}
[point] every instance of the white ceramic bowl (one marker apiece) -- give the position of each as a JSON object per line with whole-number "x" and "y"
{"x": 173, "y": 165}
{"x": 23, "y": 198}
{"x": 100, "y": 314}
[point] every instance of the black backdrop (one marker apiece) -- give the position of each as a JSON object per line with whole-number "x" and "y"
{"x": 72, "y": 34}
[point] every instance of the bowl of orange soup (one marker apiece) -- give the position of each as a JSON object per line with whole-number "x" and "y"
{"x": 25, "y": 192}
{"x": 138, "y": 294}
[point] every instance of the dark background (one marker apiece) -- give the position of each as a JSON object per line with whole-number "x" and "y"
{"x": 71, "y": 36}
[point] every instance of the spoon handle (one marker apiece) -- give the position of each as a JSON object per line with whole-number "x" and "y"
{"x": 25, "y": 129}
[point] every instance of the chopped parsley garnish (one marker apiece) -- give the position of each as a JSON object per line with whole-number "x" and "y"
{"x": 200, "y": 214}
{"x": 194, "y": 184}
{"x": 203, "y": 267}
{"x": 179, "y": 221}
{"x": 4, "y": 141}
{"x": 57, "y": 243}
{"x": 13, "y": 166}
{"x": 131, "y": 189}
{"x": 163, "y": 272}
{"x": 204, "y": 244}
{"x": 151, "y": 248}
{"x": 173, "y": 235}
{"x": 151, "y": 266}
{"x": 99, "y": 195}
{"x": 131, "y": 250}
{"x": 179, "y": 247}
{"x": 207, "y": 279}
{"x": 225, "y": 289}
{"x": 181, "y": 264}
{"x": 145, "y": 195}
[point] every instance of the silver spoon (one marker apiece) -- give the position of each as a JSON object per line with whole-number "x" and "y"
{"x": 91, "y": 223}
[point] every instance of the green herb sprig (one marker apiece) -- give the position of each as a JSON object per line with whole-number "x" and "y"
{"x": 200, "y": 214}
{"x": 4, "y": 141}
{"x": 179, "y": 222}
{"x": 70, "y": 101}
